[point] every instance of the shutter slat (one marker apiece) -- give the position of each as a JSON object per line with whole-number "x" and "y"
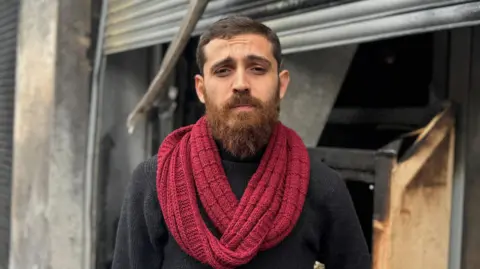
{"x": 136, "y": 24}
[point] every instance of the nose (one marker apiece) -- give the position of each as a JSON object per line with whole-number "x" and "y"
{"x": 240, "y": 84}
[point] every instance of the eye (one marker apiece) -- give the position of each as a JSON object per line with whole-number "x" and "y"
{"x": 259, "y": 70}
{"x": 221, "y": 72}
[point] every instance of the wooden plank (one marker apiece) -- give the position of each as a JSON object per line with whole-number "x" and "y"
{"x": 417, "y": 219}
{"x": 174, "y": 51}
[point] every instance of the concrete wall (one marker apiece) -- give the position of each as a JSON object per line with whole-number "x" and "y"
{"x": 48, "y": 227}
{"x": 316, "y": 79}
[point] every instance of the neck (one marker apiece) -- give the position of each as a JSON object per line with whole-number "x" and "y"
{"x": 228, "y": 156}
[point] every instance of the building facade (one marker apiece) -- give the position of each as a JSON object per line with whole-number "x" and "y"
{"x": 374, "y": 86}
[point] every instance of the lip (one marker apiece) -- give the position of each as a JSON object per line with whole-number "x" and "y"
{"x": 244, "y": 108}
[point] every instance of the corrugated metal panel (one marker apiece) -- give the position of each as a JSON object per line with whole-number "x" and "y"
{"x": 8, "y": 35}
{"x": 435, "y": 17}
{"x": 135, "y": 24}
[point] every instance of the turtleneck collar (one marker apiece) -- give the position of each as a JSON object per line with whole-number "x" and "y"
{"x": 227, "y": 156}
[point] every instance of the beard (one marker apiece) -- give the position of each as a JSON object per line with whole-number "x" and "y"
{"x": 243, "y": 133}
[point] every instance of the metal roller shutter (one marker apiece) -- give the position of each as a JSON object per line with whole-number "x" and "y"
{"x": 368, "y": 20}
{"x": 8, "y": 37}
{"x": 136, "y": 24}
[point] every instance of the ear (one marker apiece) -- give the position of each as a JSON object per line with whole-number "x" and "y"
{"x": 284, "y": 80}
{"x": 200, "y": 88}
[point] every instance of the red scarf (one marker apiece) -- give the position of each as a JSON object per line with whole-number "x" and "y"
{"x": 189, "y": 162}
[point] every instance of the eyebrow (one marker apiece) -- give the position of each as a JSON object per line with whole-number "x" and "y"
{"x": 257, "y": 58}
{"x": 229, "y": 60}
{"x": 225, "y": 61}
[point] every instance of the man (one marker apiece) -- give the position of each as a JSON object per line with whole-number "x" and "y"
{"x": 236, "y": 189}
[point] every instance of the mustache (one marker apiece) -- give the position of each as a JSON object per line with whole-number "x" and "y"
{"x": 243, "y": 99}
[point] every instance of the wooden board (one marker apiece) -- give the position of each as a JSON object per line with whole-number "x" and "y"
{"x": 415, "y": 230}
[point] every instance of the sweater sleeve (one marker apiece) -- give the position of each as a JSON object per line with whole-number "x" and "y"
{"x": 343, "y": 243}
{"x": 140, "y": 233}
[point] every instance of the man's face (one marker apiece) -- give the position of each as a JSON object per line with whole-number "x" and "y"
{"x": 241, "y": 89}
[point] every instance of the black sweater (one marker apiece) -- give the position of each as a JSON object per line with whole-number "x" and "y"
{"x": 327, "y": 231}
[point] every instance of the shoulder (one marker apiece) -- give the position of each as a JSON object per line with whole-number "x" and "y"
{"x": 141, "y": 210}
{"x": 143, "y": 181}
{"x": 325, "y": 183}
{"x": 146, "y": 172}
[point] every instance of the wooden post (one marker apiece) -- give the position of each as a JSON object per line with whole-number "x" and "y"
{"x": 50, "y": 135}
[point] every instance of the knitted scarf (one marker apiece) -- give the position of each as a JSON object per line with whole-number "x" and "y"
{"x": 189, "y": 163}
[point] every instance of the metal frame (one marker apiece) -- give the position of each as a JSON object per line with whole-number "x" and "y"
{"x": 93, "y": 146}
{"x": 471, "y": 221}
{"x": 368, "y": 166}
{"x": 351, "y": 164}
{"x": 458, "y": 86}
{"x": 414, "y": 116}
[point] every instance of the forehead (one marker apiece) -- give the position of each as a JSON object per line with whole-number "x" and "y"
{"x": 238, "y": 47}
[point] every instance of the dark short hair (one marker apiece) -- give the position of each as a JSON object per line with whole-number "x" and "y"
{"x": 235, "y": 25}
